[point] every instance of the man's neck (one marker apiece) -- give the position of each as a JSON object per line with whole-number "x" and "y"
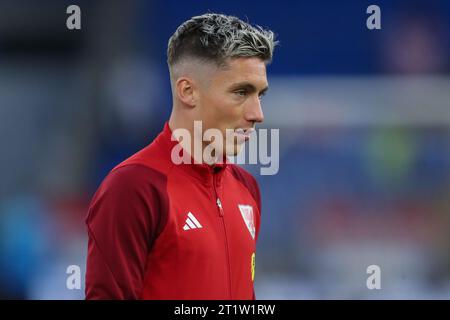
{"x": 195, "y": 146}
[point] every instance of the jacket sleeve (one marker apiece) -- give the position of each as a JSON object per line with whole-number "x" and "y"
{"x": 124, "y": 218}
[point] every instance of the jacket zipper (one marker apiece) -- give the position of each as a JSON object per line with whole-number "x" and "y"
{"x": 219, "y": 206}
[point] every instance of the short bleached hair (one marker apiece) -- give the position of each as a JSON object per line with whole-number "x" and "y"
{"x": 216, "y": 38}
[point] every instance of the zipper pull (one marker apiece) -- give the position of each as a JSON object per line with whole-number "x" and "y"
{"x": 219, "y": 204}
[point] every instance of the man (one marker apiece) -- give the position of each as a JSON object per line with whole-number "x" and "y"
{"x": 161, "y": 229}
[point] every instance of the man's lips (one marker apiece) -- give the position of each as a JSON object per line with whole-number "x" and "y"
{"x": 244, "y": 133}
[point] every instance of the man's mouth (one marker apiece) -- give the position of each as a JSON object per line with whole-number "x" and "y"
{"x": 243, "y": 134}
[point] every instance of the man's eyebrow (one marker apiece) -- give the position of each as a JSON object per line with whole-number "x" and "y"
{"x": 263, "y": 91}
{"x": 248, "y": 86}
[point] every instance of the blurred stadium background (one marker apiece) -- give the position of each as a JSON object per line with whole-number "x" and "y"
{"x": 364, "y": 119}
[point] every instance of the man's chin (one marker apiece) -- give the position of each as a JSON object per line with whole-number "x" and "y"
{"x": 234, "y": 150}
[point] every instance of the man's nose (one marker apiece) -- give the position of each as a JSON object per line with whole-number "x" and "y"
{"x": 254, "y": 111}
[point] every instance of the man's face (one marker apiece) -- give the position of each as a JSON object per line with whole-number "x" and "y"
{"x": 230, "y": 99}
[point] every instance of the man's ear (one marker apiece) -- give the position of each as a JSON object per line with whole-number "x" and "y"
{"x": 186, "y": 91}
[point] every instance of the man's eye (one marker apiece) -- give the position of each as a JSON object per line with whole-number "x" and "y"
{"x": 241, "y": 93}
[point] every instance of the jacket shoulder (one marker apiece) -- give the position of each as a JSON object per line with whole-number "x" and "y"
{"x": 135, "y": 189}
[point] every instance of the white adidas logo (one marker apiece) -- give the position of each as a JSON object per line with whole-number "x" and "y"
{"x": 191, "y": 223}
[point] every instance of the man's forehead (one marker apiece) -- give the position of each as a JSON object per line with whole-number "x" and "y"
{"x": 245, "y": 64}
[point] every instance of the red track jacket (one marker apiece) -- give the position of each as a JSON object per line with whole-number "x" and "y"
{"x": 163, "y": 231}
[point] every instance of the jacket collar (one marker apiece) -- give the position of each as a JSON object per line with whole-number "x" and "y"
{"x": 207, "y": 174}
